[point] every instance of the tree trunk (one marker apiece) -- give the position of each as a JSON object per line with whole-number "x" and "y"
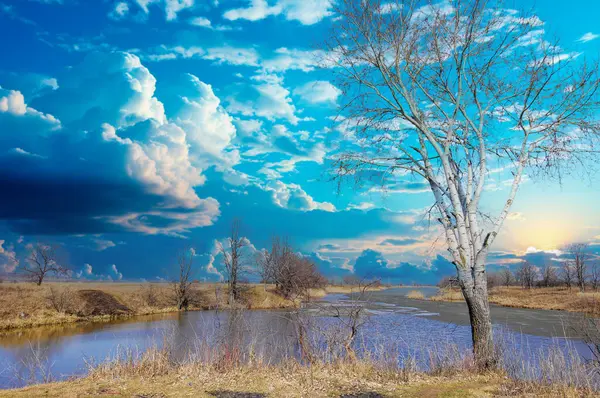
{"x": 481, "y": 323}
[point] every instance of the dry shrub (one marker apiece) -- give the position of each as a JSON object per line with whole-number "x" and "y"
{"x": 63, "y": 300}
{"x": 149, "y": 295}
{"x": 416, "y": 295}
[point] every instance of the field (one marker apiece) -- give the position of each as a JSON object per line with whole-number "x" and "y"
{"x": 155, "y": 377}
{"x": 547, "y": 298}
{"x": 25, "y": 305}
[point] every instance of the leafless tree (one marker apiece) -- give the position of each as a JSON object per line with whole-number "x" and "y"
{"x": 351, "y": 280}
{"x": 43, "y": 261}
{"x": 578, "y": 254}
{"x": 183, "y": 283}
{"x": 442, "y": 94}
{"x": 527, "y": 275}
{"x": 506, "y": 276}
{"x": 549, "y": 277}
{"x": 595, "y": 275}
{"x": 293, "y": 274}
{"x": 568, "y": 274}
{"x": 234, "y": 260}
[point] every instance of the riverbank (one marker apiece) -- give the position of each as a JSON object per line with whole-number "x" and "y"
{"x": 544, "y": 298}
{"x": 26, "y": 305}
{"x": 153, "y": 378}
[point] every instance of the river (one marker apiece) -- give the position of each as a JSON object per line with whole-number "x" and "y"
{"x": 391, "y": 325}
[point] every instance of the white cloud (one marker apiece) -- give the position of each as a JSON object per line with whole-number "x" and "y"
{"x": 201, "y": 22}
{"x": 286, "y": 59}
{"x": 8, "y": 257}
{"x": 103, "y": 244}
{"x": 115, "y": 272}
{"x": 120, "y": 11}
{"x": 123, "y": 130}
{"x": 293, "y": 197}
{"x": 318, "y": 91}
{"x": 515, "y": 216}
{"x": 388, "y": 8}
{"x": 307, "y": 12}
{"x": 269, "y": 100}
{"x": 589, "y": 36}
{"x": 170, "y": 7}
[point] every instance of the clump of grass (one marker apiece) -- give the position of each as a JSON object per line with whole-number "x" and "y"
{"x": 416, "y": 295}
{"x": 448, "y": 294}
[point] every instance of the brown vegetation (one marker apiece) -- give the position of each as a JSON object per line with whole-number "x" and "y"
{"x": 27, "y": 305}
{"x": 547, "y": 298}
{"x": 157, "y": 375}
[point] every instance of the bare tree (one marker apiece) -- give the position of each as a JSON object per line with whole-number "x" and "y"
{"x": 183, "y": 284}
{"x": 292, "y": 274}
{"x": 527, "y": 275}
{"x": 506, "y": 276}
{"x": 595, "y": 275}
{"x": 43, "y": 261}
{"x": 577, "y": 251}
{"x": 441, "y": 94}
{"x": 233, "y": 260}
{"x": 549, "y": 277}
{"x": 568, "y": 274}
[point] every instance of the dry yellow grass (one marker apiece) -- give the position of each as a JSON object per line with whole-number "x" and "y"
{"x": 415, "y": 295}
{"x": 25, "y": 305}
{"x": 287, "y": 380}
{"x": 547, "y": 298}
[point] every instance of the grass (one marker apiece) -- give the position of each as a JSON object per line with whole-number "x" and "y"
{"x": 26, "y": 305}
{"x": 547, "y": 298}
{"x": 155, "y": 375}
{"x": 415, "y": 295}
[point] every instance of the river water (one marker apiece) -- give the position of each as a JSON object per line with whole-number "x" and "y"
{"x": 391, "y": 325}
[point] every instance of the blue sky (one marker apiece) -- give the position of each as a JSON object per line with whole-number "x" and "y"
{"x": 132, "y": 129}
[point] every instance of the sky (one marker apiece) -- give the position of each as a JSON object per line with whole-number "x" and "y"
{"x": 131, "y": 130}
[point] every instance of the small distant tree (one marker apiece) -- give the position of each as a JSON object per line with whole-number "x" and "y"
{"x": 594, "y": 277}
{"x": 568, "y": 274}
{"x": 42, "y": 261}
{"x": 292, "y": 274}
{"x": 549, "y": 277}
{"x": 579, "y": 263}
{"x": 351, "y": 280}
{"x": 506, "y": 277}
{"x": 182, "y": 285}
{"x": 233, "y": 260}
{"x": 527, "y": 275}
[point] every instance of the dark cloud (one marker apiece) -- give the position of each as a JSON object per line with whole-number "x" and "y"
{"x": 372, "y": 265}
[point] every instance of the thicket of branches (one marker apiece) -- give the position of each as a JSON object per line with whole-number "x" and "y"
{"x": 292, "y": 273}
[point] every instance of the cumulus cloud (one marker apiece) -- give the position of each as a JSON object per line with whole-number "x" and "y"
{"x": 293, "y": 197}
{"x": 8, "y": 257}
{"x": 126, "y": 161}
{"x": 268, "y": 99}
{"x": 115, "y": 272}
{"x": 307, "y": 12}
{"x": 372, "y": 264}
{"x": 318, "y": 92}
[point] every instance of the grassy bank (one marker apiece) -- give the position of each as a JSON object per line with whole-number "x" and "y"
{"x": 156, "y": 376}
{"x": 24, "y": 305}
{"x": 546, "y": 298}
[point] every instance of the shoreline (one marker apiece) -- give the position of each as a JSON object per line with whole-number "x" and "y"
{"x": 542, "y": 298}
{"x": 38, "y": 315}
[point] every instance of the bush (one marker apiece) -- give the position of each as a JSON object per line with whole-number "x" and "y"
{"x": 62, "y": 300}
